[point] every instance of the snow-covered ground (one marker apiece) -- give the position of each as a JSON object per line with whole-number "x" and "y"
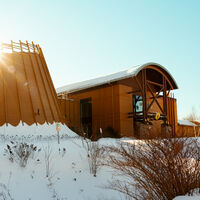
{"x": 196, "y": 197}
{"x": 69, "y": 175}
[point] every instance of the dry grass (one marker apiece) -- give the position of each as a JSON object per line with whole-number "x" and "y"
{"x": 156, "y": 169}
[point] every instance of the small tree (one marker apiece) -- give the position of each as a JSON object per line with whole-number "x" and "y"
{"x": 193, "y": 115}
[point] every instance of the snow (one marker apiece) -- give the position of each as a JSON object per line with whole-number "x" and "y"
{"x": 98, "y": 81}
{"x": 195, "y": 196}
{"x": 186, "y": 123}
{"x": 70, "y": 177}
{"x": 186, "y": 197}
{"x": 74, "y": 87}
{"x": 34, "y": 131}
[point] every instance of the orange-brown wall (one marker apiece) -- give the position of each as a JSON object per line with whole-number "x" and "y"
{"x": 126, "y": 105}
{"x": 111, "y": 104}
{"x": 105, "y": 108}
{"x": 188, "y": 131}
{"x": 27, "y": 93}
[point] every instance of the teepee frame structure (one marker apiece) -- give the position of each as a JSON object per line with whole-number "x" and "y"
{"x": 27, "y": 93}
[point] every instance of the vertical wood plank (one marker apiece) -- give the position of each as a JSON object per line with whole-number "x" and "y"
{"x": 50, "y": 84}
{"x": 33, "y": 114}
{"x": 17, "y": 88}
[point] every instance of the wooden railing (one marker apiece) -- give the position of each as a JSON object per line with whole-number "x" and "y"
{"x": 20, "y": 47}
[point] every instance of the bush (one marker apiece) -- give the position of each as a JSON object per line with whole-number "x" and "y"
{"x": 20, "y": 152}
{"x": 48, "y": 161}
{"x": 156, "y": 169}
{"x": 95, "y": 154}
{"x": 4, "y": 192}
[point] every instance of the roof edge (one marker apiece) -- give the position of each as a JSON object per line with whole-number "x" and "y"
{"x": 158, "y": 65}
{"x": 78, "y": 86}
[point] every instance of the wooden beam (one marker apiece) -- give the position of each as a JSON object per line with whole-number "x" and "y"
{"x": 168, "y": 93}
{"x": 141, "y": 90}
{"x": 154, "y": 83}
{"x": 164, "y": 96}
{"x": 155, "y": 99}
{"x": 144, "y": 94}
{"x": 134, "y": 91}
{"x": 163, "y": 74}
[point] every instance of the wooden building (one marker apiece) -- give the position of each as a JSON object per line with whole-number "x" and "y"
{"x": 134, "y": 102}
{"x": 27, "y": 93}
{"x": 188, "y": 128}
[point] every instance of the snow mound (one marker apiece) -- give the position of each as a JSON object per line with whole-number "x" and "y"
{"x": 186, "y": 123}
{"x": 34, "y": 131}
{"x": 196, "y": 197}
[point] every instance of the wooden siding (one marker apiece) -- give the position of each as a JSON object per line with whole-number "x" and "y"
{"x": 111, "y": 104}
{"x": 105, "y": 108}
{"x": 188, "y": 131}
{"x": 27, "y": 93}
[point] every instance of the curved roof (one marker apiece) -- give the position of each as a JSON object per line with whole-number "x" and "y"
{"x": 75, "y": 87}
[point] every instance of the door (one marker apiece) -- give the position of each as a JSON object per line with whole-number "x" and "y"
{"x": 86, "y": 116}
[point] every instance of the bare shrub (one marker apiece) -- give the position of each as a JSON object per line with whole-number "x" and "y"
{"x": 20, "y": 152}
{"x": 4, "y": 192}
{"x": 94, "y": 154}
{"x": 62, "y": 151}
{"x": 155, "y": 169}
{"x": 48, "y": 160}
{"x": 193, "y": 115}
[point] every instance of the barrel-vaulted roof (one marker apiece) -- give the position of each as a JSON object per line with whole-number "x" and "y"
{"x": 75, "y": 87}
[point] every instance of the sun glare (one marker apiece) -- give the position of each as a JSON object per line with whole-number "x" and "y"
{"x": 0, "y": 54}
{"x": 0, "y": 49}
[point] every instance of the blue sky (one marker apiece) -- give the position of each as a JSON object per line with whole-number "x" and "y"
{"x": 82, "y": 39}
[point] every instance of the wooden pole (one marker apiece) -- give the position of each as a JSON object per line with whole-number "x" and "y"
{"x": 144, "y": 94}
{"x": 164, "y": 99}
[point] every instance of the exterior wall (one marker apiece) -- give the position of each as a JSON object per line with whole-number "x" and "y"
{"x": 125, "y": 106}
{"x": 188, "y": 131}
{"x": 172, "y": 114}
{"x": 105, "y": 108}
{"x": 110, "y": 107}
{"x": 127, "y": 125}
{"x": 27, "y": 93}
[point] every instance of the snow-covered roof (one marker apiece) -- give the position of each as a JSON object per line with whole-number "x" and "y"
{"x": 74, "y": 87}
{"x": 186, "y": 123}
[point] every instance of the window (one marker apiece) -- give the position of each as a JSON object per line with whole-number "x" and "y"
{"x": 137, "y": 104}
